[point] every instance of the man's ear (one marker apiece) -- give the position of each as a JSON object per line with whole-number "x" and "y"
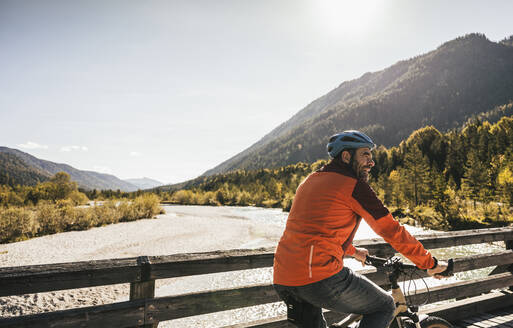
{"x": 346, "y": 157}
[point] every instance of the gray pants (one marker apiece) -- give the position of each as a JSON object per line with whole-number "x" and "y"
{"x": 344, "y": 292}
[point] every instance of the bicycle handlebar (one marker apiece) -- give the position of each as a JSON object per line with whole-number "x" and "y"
{"x": 375, "y": 261}
{"x": 381, "y": 262}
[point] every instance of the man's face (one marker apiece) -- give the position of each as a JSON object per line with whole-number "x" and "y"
{"x": 362, "y": 162}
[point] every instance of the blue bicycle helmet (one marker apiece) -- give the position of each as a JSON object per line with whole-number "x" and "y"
{"x": 350, "y": 139}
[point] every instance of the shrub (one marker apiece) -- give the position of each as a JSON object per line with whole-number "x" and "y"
{"x": 16, "y": 223}
{"x": 428, "y": 217}
{"x": 107, "y": 213}
{"x": 84, "y": 219}
{"x": 49, "y": 218}
{"x": 147, "y": 206}
{"x": 127, "y": 212}
{"x": 182, "y": 197}
{"x": 78, "y": 198}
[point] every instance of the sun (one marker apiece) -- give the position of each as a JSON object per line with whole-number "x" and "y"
{"x": 349, "y": 18}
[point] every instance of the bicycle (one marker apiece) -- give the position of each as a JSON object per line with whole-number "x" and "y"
{"x": 406, "y": 316}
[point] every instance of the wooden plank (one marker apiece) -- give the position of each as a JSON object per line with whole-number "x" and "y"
{"x": 494, "y": 319}
{"x": 483, "y": 260}
{"x": 203, "y": 263}
{"x": 174, "y": 307}
{"x": 42, "y": 278}
{"x": 276, "y": 322}
{"x": 461, "y": 264}
{"x": 32, "y": 279}
{"x": 281, "y": 321}
{"x": 473, "y": 323}
{"x": 484, "y": 319}
{"x": 178, "y": 265}
{"x": 464, "y": 288}
{"x": 442, "y": 240}
{"x": 103, "y": 316}
{"x": 466, "y": 308}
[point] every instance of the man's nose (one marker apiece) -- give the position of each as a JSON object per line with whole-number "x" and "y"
{"x": 371, "y": 162}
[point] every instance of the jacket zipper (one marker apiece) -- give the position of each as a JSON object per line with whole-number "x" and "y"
{"x": 310, "y": 262}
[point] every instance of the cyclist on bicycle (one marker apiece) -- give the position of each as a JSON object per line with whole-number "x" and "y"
{"x": 309, "y": 272}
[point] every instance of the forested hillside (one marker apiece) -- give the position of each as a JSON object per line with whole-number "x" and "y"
{"x": 455, "y": 180}
{"x": 442, "y": 88}
{"x": 17, "y": 167}
{"x": 13, "y": 171}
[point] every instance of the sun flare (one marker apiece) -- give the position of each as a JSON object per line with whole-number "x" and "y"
{"x": 348, "y": 18}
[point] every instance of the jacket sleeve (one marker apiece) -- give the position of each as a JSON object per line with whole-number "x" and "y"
{"x": 367, "y": 205}
{"x": 350, "y": 250}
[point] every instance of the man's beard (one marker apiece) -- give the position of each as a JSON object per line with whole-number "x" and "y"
{"x": 360, "y": 172}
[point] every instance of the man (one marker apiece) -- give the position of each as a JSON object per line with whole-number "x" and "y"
{"x": 309, "y": 272}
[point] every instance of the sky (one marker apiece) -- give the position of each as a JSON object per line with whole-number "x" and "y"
{"x": 170, "y": 89}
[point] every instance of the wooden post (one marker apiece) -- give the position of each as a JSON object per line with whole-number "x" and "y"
{"x": 507, "y": 267}
{"x": 509, "y": 245}
{"x": 144, "y": 289}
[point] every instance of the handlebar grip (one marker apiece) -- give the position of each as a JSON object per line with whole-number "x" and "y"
{"x": 450, "y": 269}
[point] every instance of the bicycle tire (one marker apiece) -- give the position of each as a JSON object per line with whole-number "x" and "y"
{"x": 431, "y": 322}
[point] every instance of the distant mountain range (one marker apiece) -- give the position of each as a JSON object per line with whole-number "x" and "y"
{"x": 144, "y": 183}
{"x": 443, "y": 88}
{"x": 17, "y": 167}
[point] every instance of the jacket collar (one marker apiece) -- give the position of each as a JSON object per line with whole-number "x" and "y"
{"x": 338, "y": 167}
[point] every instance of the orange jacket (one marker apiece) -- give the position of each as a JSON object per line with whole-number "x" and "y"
{"x": 324, "y": 217}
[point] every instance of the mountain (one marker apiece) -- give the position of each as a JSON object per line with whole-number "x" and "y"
{"x": 23, "y": 168}
{"x": 144, "y": 183}
{"x": 14, "y": 171}
{"x": 442, "y": 88}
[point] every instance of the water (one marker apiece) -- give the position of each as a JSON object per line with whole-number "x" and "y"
{"x": 275, "y": 220}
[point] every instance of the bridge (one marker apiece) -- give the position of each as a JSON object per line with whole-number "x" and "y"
{"x": 472, "y": 303}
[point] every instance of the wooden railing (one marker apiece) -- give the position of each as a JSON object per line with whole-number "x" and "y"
{"x": 143, "y": 309}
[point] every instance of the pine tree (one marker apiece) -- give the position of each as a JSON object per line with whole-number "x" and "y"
{"x": 474, "y": 179}
{"x": 416, "y": 171}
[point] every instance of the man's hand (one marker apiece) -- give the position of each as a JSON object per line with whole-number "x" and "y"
{"x": 441, "y": 267}
{"x": 361, "y": 254}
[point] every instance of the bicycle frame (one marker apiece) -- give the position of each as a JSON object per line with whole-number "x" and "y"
{"x": 402, "y": 310}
